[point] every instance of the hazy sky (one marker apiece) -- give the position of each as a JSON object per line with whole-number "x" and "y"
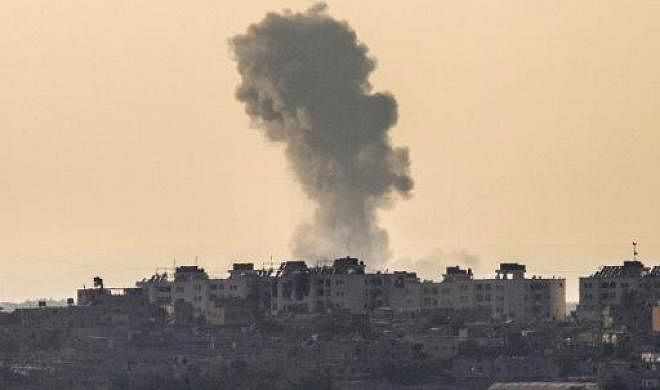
{"x": 532, "y": 127}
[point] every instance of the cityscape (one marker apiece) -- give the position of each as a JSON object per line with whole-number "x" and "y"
{"x": 338, "y": 326}
{"x": 442, "y": 190}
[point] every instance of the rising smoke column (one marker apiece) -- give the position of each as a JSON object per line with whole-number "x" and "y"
{"x": 304, "y": 81}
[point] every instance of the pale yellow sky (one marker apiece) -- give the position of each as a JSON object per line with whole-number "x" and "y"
{"x": 532, "y": 127}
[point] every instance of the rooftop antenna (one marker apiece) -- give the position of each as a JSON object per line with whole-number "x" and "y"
{"x": 635, "y": 250}
{"x": 196, "y": 261}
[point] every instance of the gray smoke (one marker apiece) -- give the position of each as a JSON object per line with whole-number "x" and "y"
{"x": 304, "y": 81}
{"x": 432, "y": 266}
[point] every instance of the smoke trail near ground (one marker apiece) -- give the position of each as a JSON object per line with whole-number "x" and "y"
{"x": 304, "y": 81}
{"x": 432, "y": 265}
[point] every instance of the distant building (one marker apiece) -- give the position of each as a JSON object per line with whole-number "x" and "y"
{"x": 97, "y": 307}
{"x": 508, "y": 296}
{"x": 545, "y": 386}
{"x": 505, "y": 368}
{"x": 655, "y": 319}
{"x": 210, "y": 298}
{"x": 617, "y": 294}
{"x": 344, "y": 286}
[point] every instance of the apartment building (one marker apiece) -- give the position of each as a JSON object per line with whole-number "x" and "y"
{"x": 208, "y": 297}
{"x": 343, "y": 286}
{"x": 507, "y": 296}
{"x": 614, "y": 290}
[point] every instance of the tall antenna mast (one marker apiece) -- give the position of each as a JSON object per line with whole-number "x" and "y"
{"x": 635, "y": 250}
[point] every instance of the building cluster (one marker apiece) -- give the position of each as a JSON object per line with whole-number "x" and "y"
{"x": 340, "y": 326}
{"x": 345, "y": 286}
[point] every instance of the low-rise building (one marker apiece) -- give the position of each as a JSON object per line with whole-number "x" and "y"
{"x": 343, "y": 286}
{"x": 210, "y": 298}
{"x": 620, "y": 295}
{"x": 545, "y": 386}
{"x": 507, "y": 296}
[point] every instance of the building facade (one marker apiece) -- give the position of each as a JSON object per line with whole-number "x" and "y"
{"x": 507, "y": 296}
{"x": 343, "y": 286}
{"x": 346, "y": 287}
{"x": 616, "y": 294}
{"x": 191, "y": 287}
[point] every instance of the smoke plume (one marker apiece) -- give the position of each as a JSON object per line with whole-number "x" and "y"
{"x": 432, "y": 265}
{"x": 304, "y": 81}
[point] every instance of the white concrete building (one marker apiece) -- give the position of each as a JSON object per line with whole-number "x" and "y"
{"x": 344, "y": 286}
{"x": 508, "y": 296}
{"x": 192, "y": 285}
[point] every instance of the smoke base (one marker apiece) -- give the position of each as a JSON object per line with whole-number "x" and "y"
{"x": 304, "y": 82}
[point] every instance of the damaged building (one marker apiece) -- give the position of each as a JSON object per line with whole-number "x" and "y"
{"x": 346, "y": 287}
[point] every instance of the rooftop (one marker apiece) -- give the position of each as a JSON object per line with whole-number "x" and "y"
{"x": 632, "y": 268}
{"x": 544, "y": 385}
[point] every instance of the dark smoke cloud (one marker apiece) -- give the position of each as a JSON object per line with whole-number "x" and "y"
{"x": 304, "y": 81}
